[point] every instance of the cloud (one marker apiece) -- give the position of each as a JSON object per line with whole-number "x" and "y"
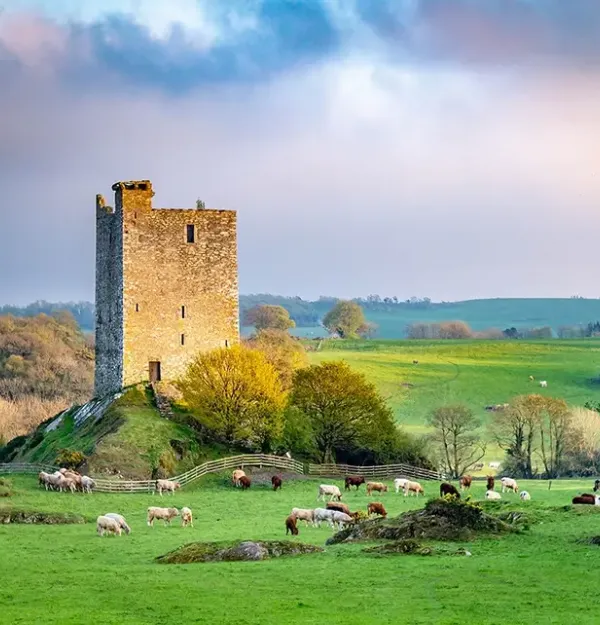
{"x": 397, "y": 151}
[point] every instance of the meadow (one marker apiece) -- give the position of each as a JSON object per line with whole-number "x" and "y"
{"x": 65, "y": 574}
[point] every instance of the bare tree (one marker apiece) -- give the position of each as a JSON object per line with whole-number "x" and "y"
{"x": 554, "y": 426}
{"x": 457, "y": 438}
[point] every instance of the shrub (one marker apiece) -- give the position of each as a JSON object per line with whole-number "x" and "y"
{"x": 69, "y": 459}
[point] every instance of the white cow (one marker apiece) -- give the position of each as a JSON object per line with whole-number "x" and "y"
{"x": 329, "y": 490}
{"x": 120, "y": 519}
{"x": 492, "y": 494}
{"x": 303, "y": 514}
{"x": 509, "y": 484}
{"x": 399, "y": 483}
{"x": 341, "y": 519}
{"x": 323, "y": 514}
{"x": 543, "y": 383}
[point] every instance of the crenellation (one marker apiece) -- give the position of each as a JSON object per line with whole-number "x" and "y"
{"x": 145, "y": 276}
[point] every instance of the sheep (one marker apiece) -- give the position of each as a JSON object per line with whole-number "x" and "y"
{"x": 340, "y": 507}
{"x": 376, "y": 508}
{"x": 87, "y": 484}
{"x": 509, "y": 484}
{"x": 340, "y": 519}
{"x": 290, "y": 525}
{"x": 303, "y": 514}
{"x": 543, "y": 384}
{"x": 492, "y": 494}
{"x": 524, "y": 495}
{"x": 322, "y": 514}
{"x": 465, "y": 482}
{"x": 120, "y": 519}
{"x": 107, "y": 524}
{"x": 448, "y": 489}
{"x": 376, "y": 486}
{"x": 413, "y": 487}
{"x": 328, "y": 489}
{"x": 166, "y": 514}
{"x": 167, "y": 485}
{"x": 186, "y": 517}
{"x": 399, "y": 483}
{"x": 245, "y": 482}
{"x": 236, "y": 475}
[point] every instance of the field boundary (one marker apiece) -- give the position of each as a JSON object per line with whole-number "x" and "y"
{"x": 106, "y": 485}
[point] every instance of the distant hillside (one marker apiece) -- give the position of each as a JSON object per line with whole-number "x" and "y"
{"x": 389, "y": 313}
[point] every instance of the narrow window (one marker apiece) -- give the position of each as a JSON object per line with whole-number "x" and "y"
{"x": 137, "y": 308}
{"x": 191, "y": 233}
{"x": 226, "y": 343}
{"x": 183, "y": 312}
{"x": 183, "y": 339}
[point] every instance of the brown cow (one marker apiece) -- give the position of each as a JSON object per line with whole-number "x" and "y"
{"x": 340, "y": 507}
{"x": 465, "y": 482}
{"x": 277, "y": 482}
{"x": 290, "y": 525}
{"x": 376, "y": 508}
{"x": 354, "y": 480}
{"x": 596, "y": 485}
{"x": 244, "y": 482}
{"x": 585, "y": 498}
{"x": 448, "y": 489}
{"x": 490, "y": 482}
{"x": 376, "y": 486}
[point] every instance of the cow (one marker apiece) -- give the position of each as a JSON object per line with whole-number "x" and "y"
{"x": 413, "y": 487}
{"x": 509, "y": 484}
{"x": 375, "y": 507}
{"x": 596, "y": 486}
{"x": 585, "y": 499}
{"x": 236, "y": 475}
{"x": 329, "y": 489}
{"x": 245, "y": 482}
{"x": 465, "y": 482}
{"x": 353, "y": 480}
{"x": 490, "y": 482}
{"x": 376, "y": 486}
{"x": 399, "y": 484}
{"x": 290, "y": 525}
{"x": 339, "y": 507}
{"x": 543, "y": 384}
{"x": 277, "y": 482}
{"x": 448, "y": 489}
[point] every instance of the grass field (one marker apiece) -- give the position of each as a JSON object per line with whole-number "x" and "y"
{"x": 67, "y": 575}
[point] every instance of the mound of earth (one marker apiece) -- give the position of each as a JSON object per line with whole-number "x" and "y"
{"x": 439, "y": 520}
{"x": 11, "y": 515}
{"x": 236, "y": 552}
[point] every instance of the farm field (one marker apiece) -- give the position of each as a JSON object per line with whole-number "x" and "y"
{"x": 477, "y": 373}
{"x": 65, "y": 574}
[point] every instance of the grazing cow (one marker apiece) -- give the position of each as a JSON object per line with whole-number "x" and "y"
{"x": 353, "y": 480}
{"x": 236, "y": 475}
{"x": 166, "y": 485}
{"x": 322, "y": 514}
{"x": 106, "y": 524}
{"x": 375, "y": 507}
{"x": 490, "y": 482}
{"x": 478, "y": 466}
{"x": 543, "y": 383}
{"x": 494, "y": 465}
{"x": 87, "y": 484}
{"x": 277, "y": 482}
{"x": 302, "y": 514}
{"x": 120, "y": 519}
{"x": 524, "y": 495}
{"x": 339, "y": 507}
{"x": 413, "y": 487}
{"x": 465, "y": 482}
{"x": 399, "y": 484}
{"x": 585, "y": 499}
{"x": 492, "y": 494}
{"x": 186, "y": 517}
{"x": 596, "y": 485}
{"x": 376, "y": 486}
{"x": 245, "y": 482}
{"x": 165, "y": 514}
{"x": 340, "y": 519}
{"x": 290, "y": 525}
{"x": 509, "y": 484}
{"x": 329, "y": 490}
{"x": 448, "y": 489}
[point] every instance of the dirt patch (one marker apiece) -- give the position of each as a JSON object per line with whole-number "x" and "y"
{"x": 29, "y": 517}
{"x": 440, "y": 520}
{"x": 236, "y": 552}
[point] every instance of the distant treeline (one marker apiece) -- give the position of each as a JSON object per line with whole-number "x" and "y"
{"x": 461, "y": 330}
{"x": 83, "y": 312}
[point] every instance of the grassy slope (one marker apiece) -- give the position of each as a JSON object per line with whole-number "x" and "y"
{"x": 477, "y": 373}
{"x": 68, "y": 575}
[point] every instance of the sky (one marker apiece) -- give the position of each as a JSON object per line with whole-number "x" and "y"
{"x": 433, "y": 148}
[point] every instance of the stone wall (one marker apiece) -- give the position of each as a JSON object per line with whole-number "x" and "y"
{"x": 178, "y": 298}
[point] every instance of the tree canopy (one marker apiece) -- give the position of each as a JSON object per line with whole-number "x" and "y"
{"x": 266, "y": 316}
{"x": 346, "y": 319}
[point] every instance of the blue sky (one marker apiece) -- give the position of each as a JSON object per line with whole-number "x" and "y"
{"x": 441, "y": 148}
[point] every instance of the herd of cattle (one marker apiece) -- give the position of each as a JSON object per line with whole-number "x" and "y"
{"x": 336, "y": 514}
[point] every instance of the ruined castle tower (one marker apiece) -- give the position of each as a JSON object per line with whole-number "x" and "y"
{"x": 166, "y": 286}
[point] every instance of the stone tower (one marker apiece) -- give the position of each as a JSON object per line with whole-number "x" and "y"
{"x": 166, "y": 287}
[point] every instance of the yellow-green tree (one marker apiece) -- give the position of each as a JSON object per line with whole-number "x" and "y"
{"x": 285, "y": 353}
{"x": 268, "y": 316}
{"x": 346, "y": 319}
{"x": 236, "y": 394}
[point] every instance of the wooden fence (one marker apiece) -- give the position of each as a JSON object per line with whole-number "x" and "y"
{"x": 107, "y": 485}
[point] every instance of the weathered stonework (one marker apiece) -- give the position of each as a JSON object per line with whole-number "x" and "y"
{"x": 159, "y": 298}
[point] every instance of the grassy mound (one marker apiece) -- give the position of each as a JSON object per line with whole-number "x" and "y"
{"x": 14, "y": 515}
{"x": 6, "y": 487}
{"x": 412, "y": 547}
{"x": 441, "y": 519}
{"x": 235, "y": 552}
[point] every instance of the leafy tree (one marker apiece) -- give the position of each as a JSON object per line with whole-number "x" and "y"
{"x": 268, "y": 317}
{"x": 345, "y": 411}
{"x": 236, "y": 394}
{"x": 285, "y": 353}
{"x": 346, "y": 319}
{"x": 200, "y": 205}
{"x": 456, "y": 438}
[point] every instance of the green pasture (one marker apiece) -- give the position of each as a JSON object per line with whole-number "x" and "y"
{"x": 68, "y": 575}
